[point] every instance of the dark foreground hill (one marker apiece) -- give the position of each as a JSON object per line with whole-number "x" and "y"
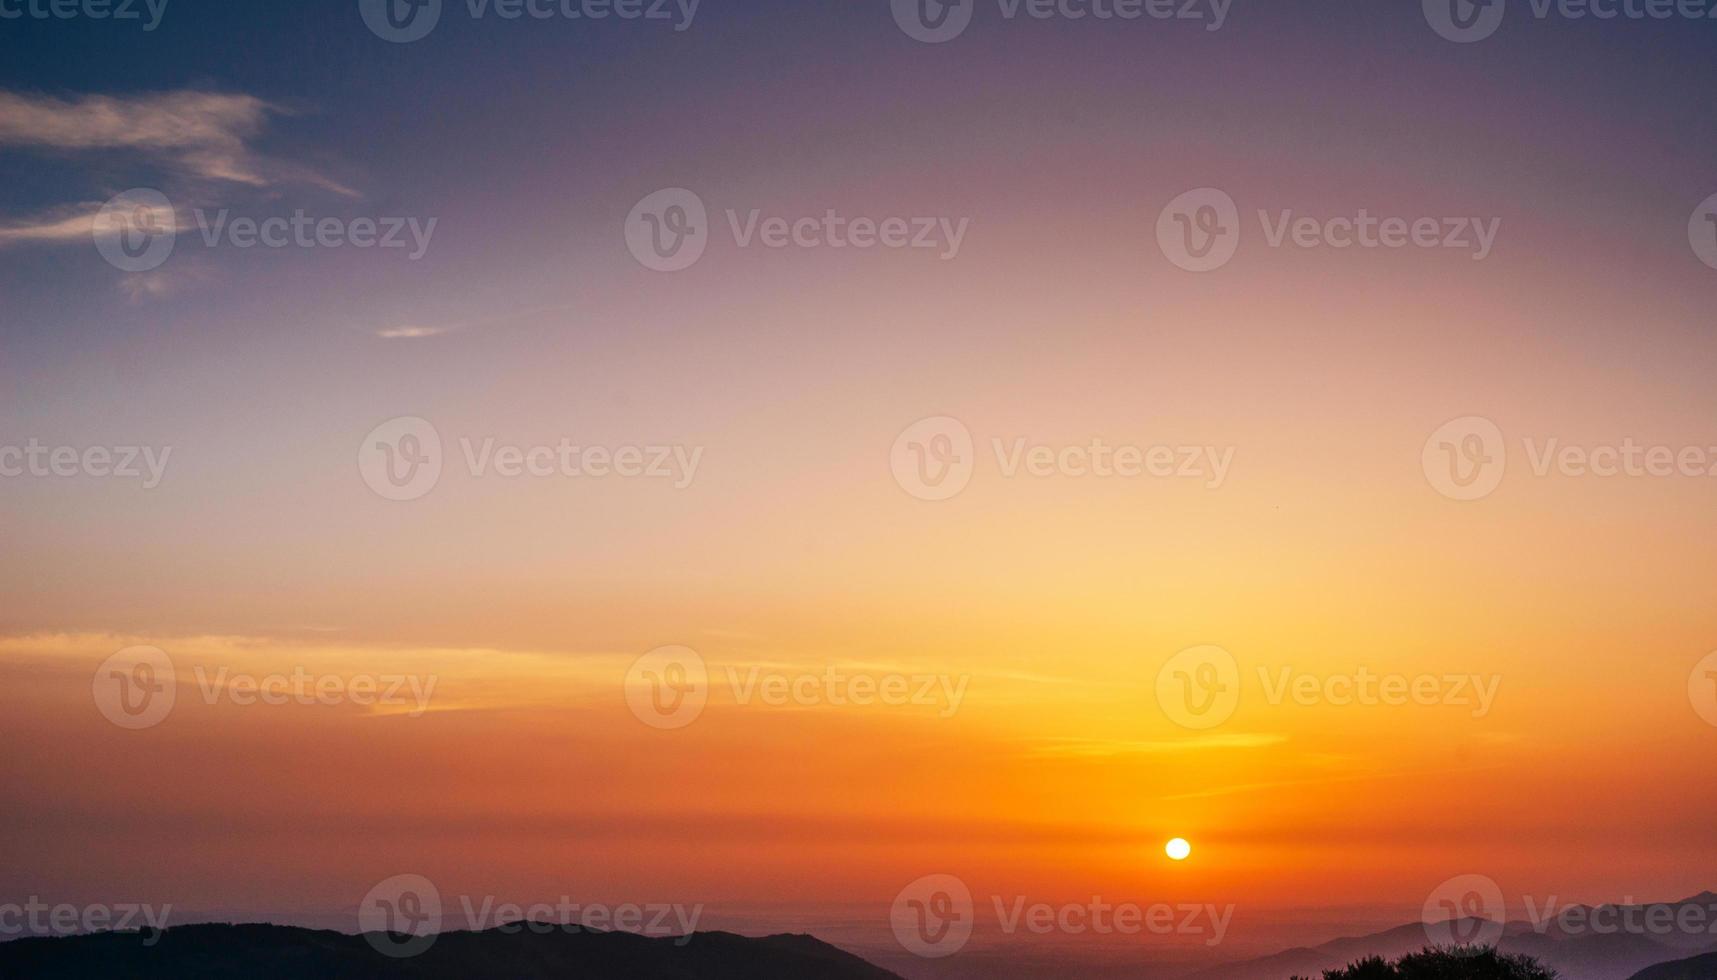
{"x": 1467, "y": 963}
{"x": 261, "y": 952}
{"x": 1696, "y": 968}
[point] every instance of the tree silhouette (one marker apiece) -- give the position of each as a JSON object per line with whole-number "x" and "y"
{"x": 1458, "y": 963}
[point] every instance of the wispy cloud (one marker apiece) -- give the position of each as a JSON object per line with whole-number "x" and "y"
{"x": 411, "y": 331}
{"x": 207, "y": 135}
{"x": 1360, "y": 777}
{"x": 1093, "y": 748}
{"x": 147, "y": 285}
{"x": 77, "y": 223}
{"x": 63, "y": 224}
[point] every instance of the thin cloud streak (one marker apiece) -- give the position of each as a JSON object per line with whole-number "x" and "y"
{"x": 77, "y": 223}
{"x": 205, "y": 135}
{"x": 414, "y": 332}
{"x": 1091, "y": 748}
{"x": 1362, "y": 777}
{"x": 59, "y": 225}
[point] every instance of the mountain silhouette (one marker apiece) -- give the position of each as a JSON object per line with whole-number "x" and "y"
{"x": 1574, "y": 952}
{"x": 265, "y": 952}
{"x": 1695, "y": 968}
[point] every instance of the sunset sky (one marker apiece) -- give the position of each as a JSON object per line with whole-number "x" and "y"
{"x": 1055, "y": 601}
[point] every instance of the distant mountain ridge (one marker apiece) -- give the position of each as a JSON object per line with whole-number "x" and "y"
{"x": 264, "y": 952}
{"x": 1578, "y": 953}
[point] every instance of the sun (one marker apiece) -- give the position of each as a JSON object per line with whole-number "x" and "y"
{"x": 1178, "y": 849}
